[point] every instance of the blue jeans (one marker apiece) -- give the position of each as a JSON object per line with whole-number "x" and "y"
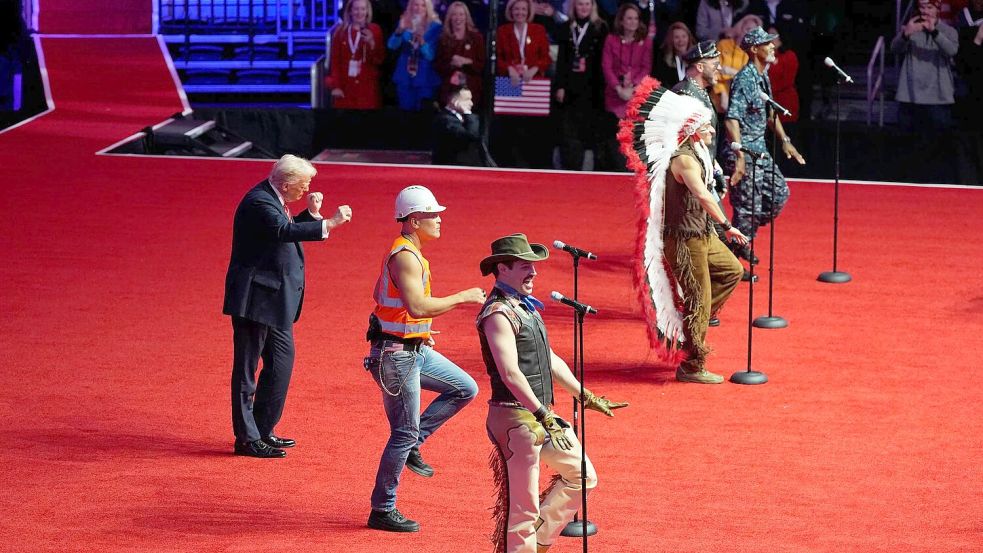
{"x": 401, "y": 375}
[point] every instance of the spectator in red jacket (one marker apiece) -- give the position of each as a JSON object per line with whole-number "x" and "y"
{"x": 357, "y": 52}
{"x": 522, "y": 47}
{"x": 782, "y": 74}
{"x": 460, "y": 53}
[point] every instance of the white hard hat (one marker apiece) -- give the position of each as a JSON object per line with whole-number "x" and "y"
{"x": 414, "y": 199}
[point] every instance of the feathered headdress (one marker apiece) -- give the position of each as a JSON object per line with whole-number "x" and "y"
{"x": 656, "y": 123}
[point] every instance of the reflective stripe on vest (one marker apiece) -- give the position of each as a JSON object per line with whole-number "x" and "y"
{"x": 393, "y": 316}
{"x": 395, "y": 328}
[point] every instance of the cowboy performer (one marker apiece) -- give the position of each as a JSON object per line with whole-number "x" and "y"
{"x": 521, "y": 423}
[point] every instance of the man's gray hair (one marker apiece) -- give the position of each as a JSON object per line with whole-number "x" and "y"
{"x": 290, "y": 169}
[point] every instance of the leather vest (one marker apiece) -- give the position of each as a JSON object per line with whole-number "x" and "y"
{"x": 531, "y": 344}
{"x": 684, "y": 216}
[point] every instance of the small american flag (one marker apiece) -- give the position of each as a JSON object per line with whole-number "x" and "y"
{"x": 532, "y": 98}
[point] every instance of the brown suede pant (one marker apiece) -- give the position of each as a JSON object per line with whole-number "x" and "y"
{"x": 707, "y": 272}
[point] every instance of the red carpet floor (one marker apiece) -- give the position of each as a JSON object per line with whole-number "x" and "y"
{"x": 116, "y": 358}
{"x": 94, "y": 17}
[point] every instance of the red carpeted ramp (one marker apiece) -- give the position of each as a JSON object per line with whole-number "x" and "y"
{"x": 94, "y": 17}
{"x": 116, "y": 358}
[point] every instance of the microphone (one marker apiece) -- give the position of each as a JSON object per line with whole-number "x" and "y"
{"x": 582, "y": 307}
{"x": 720, "y": 183}
{"x": 771, "y": 102}
{"x": 828, "y": 62}
{"x": 572, "y": 250}
{"x": 737, "y": 147}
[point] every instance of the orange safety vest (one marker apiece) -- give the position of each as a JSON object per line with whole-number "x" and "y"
{"x": 392, "y": 314}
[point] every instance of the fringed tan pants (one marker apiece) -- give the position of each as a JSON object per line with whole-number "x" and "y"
{"x": 523, "y": 520}
{"x": 707, "y": 272}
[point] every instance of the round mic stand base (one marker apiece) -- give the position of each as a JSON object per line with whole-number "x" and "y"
{"x": 575, "y": 529}
{"x": 773, "y": 321}
{"x": 749, "y": 377}
{"x": 834, "y": 277}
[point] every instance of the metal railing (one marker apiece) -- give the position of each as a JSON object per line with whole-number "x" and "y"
{"x": 318, "y": 71}
{"x": 284, "y": 18}
{"x": 29, "y": 10}
{"x": 320, "y": 68}
{"x": 306, "y": 15}
{"x": 899, "y": 14}
{"x": 875, "y": 82}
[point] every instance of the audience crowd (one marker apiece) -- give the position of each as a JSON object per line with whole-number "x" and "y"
{"x": 414, "y": 54}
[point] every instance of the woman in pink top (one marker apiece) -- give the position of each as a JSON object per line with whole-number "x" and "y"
{"x": 626, "y": 59}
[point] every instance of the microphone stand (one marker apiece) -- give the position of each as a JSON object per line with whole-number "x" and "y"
{"x": 771, "y": 320}
{"x": 580, "y": 528}
{"x": 749, "y": 376}
{"x": 834, "y": 276}
{"x": 488, "y": 78}
{"x": 577, "y": 528}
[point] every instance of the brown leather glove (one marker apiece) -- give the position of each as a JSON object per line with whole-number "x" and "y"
{"x": 601, "y": 404}
{"x": 529, "y": 420}
{"x": 555, "y": 427}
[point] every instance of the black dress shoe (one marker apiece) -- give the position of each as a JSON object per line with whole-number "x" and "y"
{"x": 276, "y": 441}
{"x": 416, "y": 463}
{"x": 714, "y": 321}
{"x": 260, "y": 449}
{"x": 392, "y": 521}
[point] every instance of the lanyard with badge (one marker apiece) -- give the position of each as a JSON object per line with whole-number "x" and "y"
{"x": 579, "y": 61}
{"x": 522, "y": 42}
{"x": 354, "y": 65}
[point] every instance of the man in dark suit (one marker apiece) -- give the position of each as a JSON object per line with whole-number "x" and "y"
{"x": 264, "y": 291}
{"x": 456, "y": 133}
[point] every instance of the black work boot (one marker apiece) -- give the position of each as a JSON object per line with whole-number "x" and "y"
{"x": 416, "y": 463}
{"x": 392, "y": 521}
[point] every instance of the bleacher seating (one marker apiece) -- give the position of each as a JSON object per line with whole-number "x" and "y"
{"x": 207, "y": 77}
{"x": 298, "y": 77}
{"x": 246, "y": 47}
{"x": 201, "y": 52}
{"x": 309, "y": 52}
{"x": 255, "y": 52}
{"x": 258, "y": 76}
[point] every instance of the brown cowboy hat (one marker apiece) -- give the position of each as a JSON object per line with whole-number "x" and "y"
{"x": 513, "y": 246}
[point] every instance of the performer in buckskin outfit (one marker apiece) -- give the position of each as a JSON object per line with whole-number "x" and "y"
{"x": 666, "y": 138}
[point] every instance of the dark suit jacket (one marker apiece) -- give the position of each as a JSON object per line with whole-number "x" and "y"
{"x": 456, "y": 142}
{"x": 265, "y": 281}
{"x": 793, "y": 19}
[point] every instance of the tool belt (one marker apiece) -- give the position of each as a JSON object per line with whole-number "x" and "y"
{"x": 389, "y": 342}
